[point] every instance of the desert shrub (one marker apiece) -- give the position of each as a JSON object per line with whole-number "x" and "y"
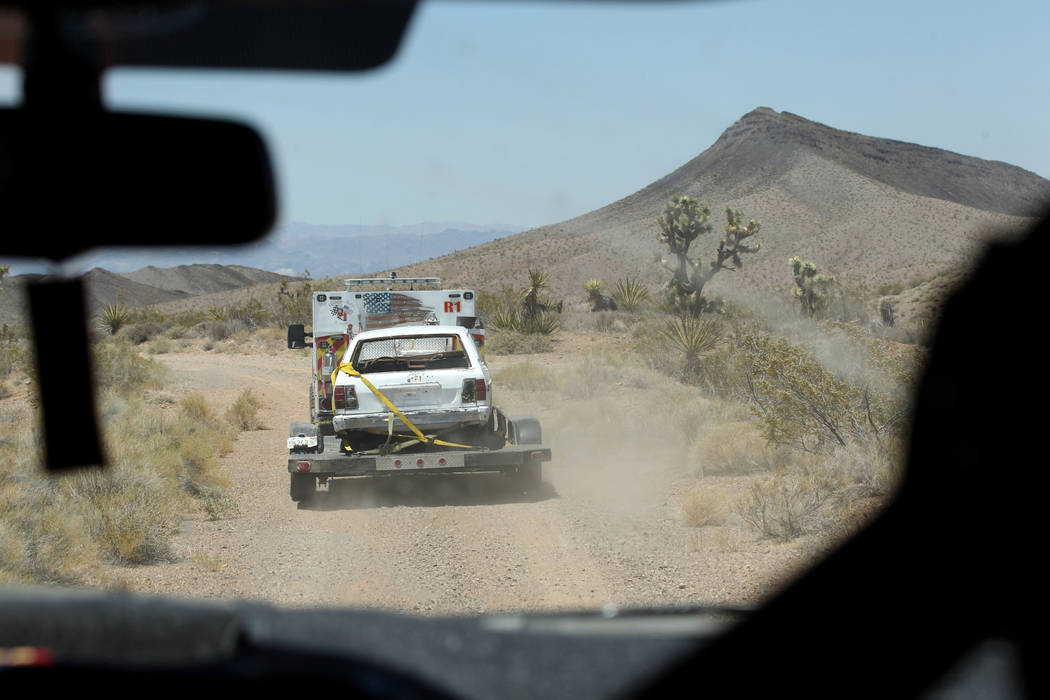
{"x": 791, "y": 502}
{"x": 196, "y": 408}
{"x": 221, "y": 330}
{"x": 509, "y": 342}
{"x": 160, "y": 346}
{"x": 706, "y": 505}
{"x": 142, "y": 331}
{"x": 291, "y": 304}
{"x": 119, "y": 367}
{"x": 803, "y": 404}
{"x": 732, "y": 447}
{"x": 830, "y": 494}
{"x": 62, "y": 529}
{"x": 242, "y": 413}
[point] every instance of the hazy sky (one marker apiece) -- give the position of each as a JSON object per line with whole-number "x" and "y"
{"x": 533, "y": 113}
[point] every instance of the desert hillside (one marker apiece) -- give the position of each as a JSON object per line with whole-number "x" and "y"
{"x": 877, "y": 212}
{"x": 148, "y": 286}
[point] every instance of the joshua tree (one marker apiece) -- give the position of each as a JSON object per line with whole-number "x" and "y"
{"x": 811, "y": 287}
{"x": 684, "y": 219}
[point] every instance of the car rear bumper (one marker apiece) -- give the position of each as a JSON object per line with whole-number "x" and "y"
{"x": 424, "y": 419}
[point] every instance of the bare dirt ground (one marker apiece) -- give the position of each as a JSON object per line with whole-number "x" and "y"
{"x": 605, "y": 528}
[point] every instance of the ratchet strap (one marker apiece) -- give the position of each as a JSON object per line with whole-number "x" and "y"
{"x": 418, "y": 436}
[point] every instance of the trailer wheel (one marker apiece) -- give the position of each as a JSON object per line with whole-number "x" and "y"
{"x": 303, "y": 487}
{"x": 529, "y": 476}
{"x": 525, "y": 430}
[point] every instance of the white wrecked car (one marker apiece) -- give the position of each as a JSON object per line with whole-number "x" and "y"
{"x": 433, "y": 375}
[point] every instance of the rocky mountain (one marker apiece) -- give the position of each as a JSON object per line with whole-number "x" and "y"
{"x": 877, "y": 212}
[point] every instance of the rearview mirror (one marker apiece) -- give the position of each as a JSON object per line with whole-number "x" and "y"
{"x": 74, "y": 181}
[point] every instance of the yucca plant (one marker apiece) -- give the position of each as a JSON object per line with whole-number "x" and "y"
{"x": 693, "y": 337}
{"x": 530, "y": 299}
{"x": 505, "y": 318}
{"x": 114, "y": 317}
{"x": 543, "y": 324}
{"x": 629, "y": 294}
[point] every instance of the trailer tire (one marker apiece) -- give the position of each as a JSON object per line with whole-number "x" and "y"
{"x": 303, "y": 487}
{"x": 529, "y": 476}
{"x": 525, "y": 430}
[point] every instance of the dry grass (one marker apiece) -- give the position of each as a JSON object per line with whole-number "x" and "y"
{"x": 707, "y": 505}
{"x": 162, "y": 463}
{"x": 243, "y": 412}
{"x": 732, "y": 447}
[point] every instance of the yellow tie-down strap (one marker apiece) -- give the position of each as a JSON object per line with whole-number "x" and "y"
{"x": 348, "y": 368}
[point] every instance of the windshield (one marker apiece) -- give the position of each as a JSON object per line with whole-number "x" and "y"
{"x": 707, "y": 246}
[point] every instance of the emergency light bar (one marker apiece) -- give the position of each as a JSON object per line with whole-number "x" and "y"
{"x": 386, "y": 281}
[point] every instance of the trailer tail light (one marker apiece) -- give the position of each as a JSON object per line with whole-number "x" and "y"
{"x": 474, "y": 390}
{"x": 345, "y": 397}
{"x": 303, "y": 466}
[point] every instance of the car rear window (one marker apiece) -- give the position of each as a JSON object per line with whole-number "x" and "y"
{"x": 427, "y": 352}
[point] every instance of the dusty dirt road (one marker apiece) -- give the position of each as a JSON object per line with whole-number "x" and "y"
{"x": 605, "y": 528}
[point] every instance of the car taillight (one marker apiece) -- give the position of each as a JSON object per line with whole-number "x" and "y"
{"x": 345, "y": 397}
{"x": 474, "y": 390}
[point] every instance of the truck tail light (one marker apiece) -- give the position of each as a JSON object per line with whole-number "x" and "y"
{"x": 474, "y": 390}
{"x": 345, "y": 397}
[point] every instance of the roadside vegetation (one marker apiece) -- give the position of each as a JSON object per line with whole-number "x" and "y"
{"x": 164, "y": 463}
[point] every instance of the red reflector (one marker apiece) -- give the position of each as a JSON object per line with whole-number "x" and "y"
{"x": 479, "y": 390}
{"x": 303, "y": 466}
{"x": 419, "y": 463}
{"x": 397, "y": 462}
{"x": 441, "y": 461}
{"x": 536, "y": 455}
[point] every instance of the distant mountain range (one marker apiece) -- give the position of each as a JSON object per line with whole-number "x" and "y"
{"x": 324, "y": 250}
{"x": 144, "y": 287}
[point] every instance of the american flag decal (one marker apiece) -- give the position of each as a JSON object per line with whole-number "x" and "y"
{"x": 386, "y": 309}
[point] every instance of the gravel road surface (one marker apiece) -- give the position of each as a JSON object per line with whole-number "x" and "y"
{"x": 606, "y": 527}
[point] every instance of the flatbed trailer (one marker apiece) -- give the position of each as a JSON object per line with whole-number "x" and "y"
{"x": 315, "y": 458}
